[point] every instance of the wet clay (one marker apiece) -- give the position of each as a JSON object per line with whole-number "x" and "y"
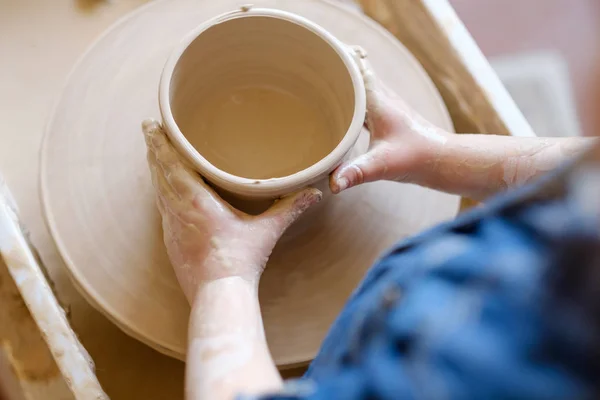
{"x": 261, "y": 98}
{"x": 260, "y": 132}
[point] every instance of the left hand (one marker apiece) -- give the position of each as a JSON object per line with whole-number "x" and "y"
{"x": 206, "y": 238}
{"x": 402, "y": 141}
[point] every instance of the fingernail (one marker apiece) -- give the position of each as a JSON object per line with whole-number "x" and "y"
{"x": 342, "y": 184}
{"x": 312, "y": 197}
{"x": 149, "y": 125}
{"x": 317, "y": 196}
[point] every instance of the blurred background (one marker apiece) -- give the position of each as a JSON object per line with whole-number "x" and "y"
{"x": 547, "y": 53}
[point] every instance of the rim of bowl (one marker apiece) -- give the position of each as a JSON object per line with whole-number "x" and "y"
{"x": 272, "y": 186}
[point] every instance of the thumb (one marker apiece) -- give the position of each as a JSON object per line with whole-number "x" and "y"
{"x": 371, "y": 166}
{"x": 287, "y": 210}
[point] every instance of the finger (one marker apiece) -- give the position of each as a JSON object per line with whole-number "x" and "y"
{"x": 371, "y": 166}
{"x": 377, "y": 91}
{"x": 372, "y": 83}
{"x": 159, "y": 181}
{"x": 185, "y": 190}
{"x": 210, "y": 203}
{"x": 182, "y": 181}
{"x": 287, "y": 210}
{"x": 154, "y": 137}
{"x": 171, "y": 174}
{"x": 158, "y": 143}
{"x": 159, "y": 205}
{"x": 381, "y": 107}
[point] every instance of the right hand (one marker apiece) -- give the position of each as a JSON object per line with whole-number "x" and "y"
{"x": 402, "y": 141}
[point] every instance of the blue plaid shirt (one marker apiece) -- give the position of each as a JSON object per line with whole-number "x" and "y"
{"x": 501, "y": 303}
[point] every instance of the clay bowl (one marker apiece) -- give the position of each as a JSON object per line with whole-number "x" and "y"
{"x": 262, "y": 102}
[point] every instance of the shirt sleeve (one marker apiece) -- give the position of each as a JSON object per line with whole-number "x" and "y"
{"x": 501, "y": 303}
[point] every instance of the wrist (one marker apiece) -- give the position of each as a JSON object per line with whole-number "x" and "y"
{"x": 231, "y": 263}
{"x": 249, "y": 284}
{"x": 429, "y": 155}
{"x": 219, "y": 298}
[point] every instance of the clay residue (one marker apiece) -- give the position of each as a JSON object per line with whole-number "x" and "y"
{"x": 18, "y": 328}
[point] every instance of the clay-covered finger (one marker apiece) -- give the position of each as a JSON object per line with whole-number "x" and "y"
{"x": 180, "y": 179}
{"x": 159, "y": 205}
{"x": 287, "y": 210}
{"x": 161, "y": 185}
{"x": 185, "y": 182}
{"x": 373, "y": 84}
{"x": 173, "y": 178}
{"x": 382, "y": 102}
{"x": 208, "y": 201}
{"x": 153, "y": 169}
{"x": 369, "y": 77}
{"x": 158, "y": 143}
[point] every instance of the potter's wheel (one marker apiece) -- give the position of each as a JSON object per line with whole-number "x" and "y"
{"x": 99, "y": 200}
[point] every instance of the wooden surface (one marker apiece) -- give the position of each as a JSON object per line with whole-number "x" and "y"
{"x": 45, "y": 40}
{"x": 27, "y": 368}
{"x": 572, "y": 28}
{"x": 40, "y": 355}
{"x": 473, "y": 93}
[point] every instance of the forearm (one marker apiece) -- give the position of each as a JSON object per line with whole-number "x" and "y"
{"x": 227, "y": 349}
{"x": 479, "y": 166}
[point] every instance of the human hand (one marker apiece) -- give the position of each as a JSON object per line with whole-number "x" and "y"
{"x": 206, "y": 238}
{"x": 401, "y": 140}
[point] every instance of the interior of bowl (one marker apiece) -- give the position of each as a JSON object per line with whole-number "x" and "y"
{"x": 261, "y": 97}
